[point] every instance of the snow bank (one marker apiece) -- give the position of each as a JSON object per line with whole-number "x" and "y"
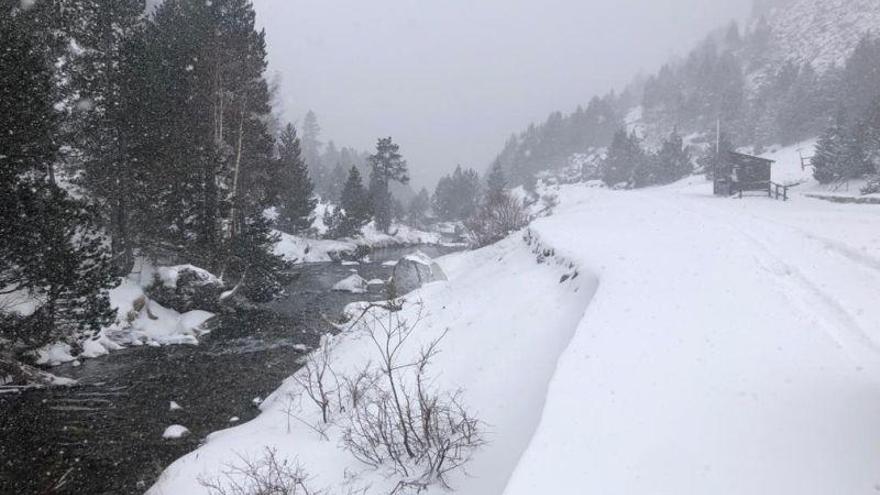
{"x": 504, "y": 338}
{"x": 401, "y": 235}
{"x": 303, "y": 250}
{"x": 299, "y": 249}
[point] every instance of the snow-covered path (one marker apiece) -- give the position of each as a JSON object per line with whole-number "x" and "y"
{"x": 732, "y": 347}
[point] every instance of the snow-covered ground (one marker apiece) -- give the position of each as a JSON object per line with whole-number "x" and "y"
{"x": 706, "y": 345}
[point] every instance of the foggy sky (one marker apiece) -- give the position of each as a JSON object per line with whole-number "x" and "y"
{"x": 450, "y": 80}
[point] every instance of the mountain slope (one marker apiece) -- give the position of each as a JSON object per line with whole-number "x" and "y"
{"x": 820, "y": 32}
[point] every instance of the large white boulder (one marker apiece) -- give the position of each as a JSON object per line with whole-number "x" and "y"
{"x": 415, "y": 270}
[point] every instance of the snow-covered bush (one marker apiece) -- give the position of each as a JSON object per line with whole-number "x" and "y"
{"x": 390, "y": 416}
{"x": 267, "y": 475}
{"x": 496, "y": 219}
{"x": 396, "y": 422}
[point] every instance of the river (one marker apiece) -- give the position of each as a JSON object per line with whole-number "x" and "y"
{"x": 104, "y": 436}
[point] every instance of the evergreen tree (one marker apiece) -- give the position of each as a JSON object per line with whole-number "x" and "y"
{"x": 335, "y": 182}
{"x": 713, "y": 160}
{"x": 50, "y": 245}
{"x": 296, "y": 198}
{"x": 262, "y": 275}
{"x": 419, "y": 207}
{"x": 354, "y": 211}
{"x": 211, "y": 152}
{"x": 457, "y": 197}
{"x": 387, "y": 165}
{"x": 861, "y": 77}
{"x": 103, "y": 78}
{"x": 496, "y": 182}
{"x": 870, "y": 138}
{"x": 311, "y": 144}
{"x": 838, "y": 153}
{"x": 625, "y": 156}
{"x": 355, "y": 199}
{"x": 673, "y": 160}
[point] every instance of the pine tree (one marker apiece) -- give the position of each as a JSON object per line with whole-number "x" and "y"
{"x": 419, "y": 207}
{"x": 354, "y": 211}
{"x": 311, "y": 143}
{"x": 262, "y": 273}
{"x": 50, "y": 245}
{"x": 496, "y": 182}
{"x": 673, "y": 160}
{"x": 625, "y": 156}
{"x": 713, "y": 160}
{"x": 103, "y": 78}
{"x": 335, "y": 182}
{"x": 211, "y": 155}
{"x": 841, "y": 153}
{"x": 457, "y": 196}
{"x": 296, "y": 197}
{"x": 870, "y": 138}
{"x": 861, "y": 78}
{"x": 387, "y": 165}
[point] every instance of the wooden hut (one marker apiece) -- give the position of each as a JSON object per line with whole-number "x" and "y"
{"x": 738, "y": 173}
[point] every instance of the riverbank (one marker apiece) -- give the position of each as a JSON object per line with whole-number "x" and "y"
{"x": 507, "y": 312}
{"x": 104, "y": 435}
{"x": 299, "y": 249}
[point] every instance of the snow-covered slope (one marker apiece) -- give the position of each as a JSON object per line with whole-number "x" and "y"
{"x": 821, "y": 32}
{"x": 733, "y": 347}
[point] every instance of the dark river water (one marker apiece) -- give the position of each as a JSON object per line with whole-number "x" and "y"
{"x": 104, "y": 436}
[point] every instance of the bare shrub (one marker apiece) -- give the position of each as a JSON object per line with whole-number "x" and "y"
{"x": 495, "y": 220}
{"x": 396, "y": 421}
{"x": 267, "y": 475}
{"x": 318, "y": 380}
{"x": 872, "y": 185}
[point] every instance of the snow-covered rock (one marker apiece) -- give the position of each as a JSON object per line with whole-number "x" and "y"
{"x": 354, "y": 284}
{"x": 415, "y": 270}
{"x": 175, "y": 432}
{"x": 185, "y": 288}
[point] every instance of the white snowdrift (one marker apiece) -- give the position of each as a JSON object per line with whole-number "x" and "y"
{"x": 508, "y": 317}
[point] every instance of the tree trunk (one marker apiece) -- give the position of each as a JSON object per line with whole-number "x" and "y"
{"x": 236, "y": 172}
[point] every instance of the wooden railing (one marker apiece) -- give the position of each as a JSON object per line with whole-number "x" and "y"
{"x": 774, "y": 190}
{"x": 779, "y": 190}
